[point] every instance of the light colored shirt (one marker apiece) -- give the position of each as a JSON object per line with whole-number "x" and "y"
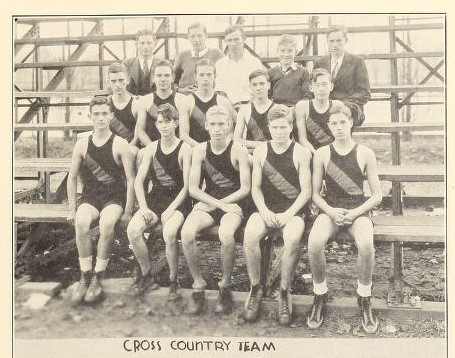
{"x": 149, "y": 63}
{"x": 199, "y": 54}
{"x": 335, "y": 65}
{"x": 232, "y": 76}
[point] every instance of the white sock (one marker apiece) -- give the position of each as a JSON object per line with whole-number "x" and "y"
{"x": 86, "y": 263}
{"x": 101, "y": 264}
{"x": 363, "y": 290}
{"x": 320, "y": 288}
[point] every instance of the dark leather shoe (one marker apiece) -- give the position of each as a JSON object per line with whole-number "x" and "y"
{"x": 142, "y": 284}
{"x": 252, "y": 303}
{"x": 81, "y": 289}
{"x": 196, "y": 302}
{"x": 95, "y": 290}
{"x": 225, "y": 303}
{"x": 284, "y": 308}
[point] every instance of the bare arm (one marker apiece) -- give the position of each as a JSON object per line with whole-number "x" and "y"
{"x": 301, "y": 114}
{"x": 71, "y": 186}
{"x": 138, "y": 111}
{"x": 185, "y": 154}
{"x": 142, "y": 173}
{"x": 128, "y": 166}
{"x": 184, "y": 121}
{"x": 244, "y": 114}
{"x": 141, "y": 124}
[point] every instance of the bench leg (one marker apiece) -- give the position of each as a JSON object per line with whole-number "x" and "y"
{"x": 267, "y": 246}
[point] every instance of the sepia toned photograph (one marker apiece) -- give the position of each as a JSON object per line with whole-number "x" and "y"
{"x": 217, "y": 184}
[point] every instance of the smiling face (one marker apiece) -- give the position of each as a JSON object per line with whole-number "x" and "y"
{"x": 205, "y": 76}
{"x": 197, "y": 38}
{"x": 145, "y": 45}
{"x": 336, "y": 42}
{"x": 101, "y": 116}
{"x": 259, "y": 87}
{"x": 286, "y": 54}
{"x": 340, "y": 125}
{"x": 280, "y": 129}
{"x": 163, "y": 77}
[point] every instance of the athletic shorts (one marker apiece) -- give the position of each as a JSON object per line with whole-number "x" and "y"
{"x": 159, "y": 199}
{"x": 247, "y": 206}
{"x": 101, "y": 196}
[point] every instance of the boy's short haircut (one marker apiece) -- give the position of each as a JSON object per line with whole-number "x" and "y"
{"x": 216, "y": 110}
{"x": 234, "y": 28}
{"x": 117, "y": 67}
{"x": 287, "y": 39}
{"x": 279, "y": 111}
{"x": 99, "y": 101}
{"x": 145, "y": 32}
{"x": 205, "y": 62}
{"x": 257, "y": 73}
{"x": 168, "y": 112}
{"x": 341, "y": 108}
{"x": 318, "y": 72}
{"x": 163, "y": 63}
{"x": 197, "y": 25}
{"x": 336, "y": 28}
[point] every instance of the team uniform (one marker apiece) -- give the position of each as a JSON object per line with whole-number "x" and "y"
{"x": 152, "y": 114}
{"x": 167, "y": 178}
{"x": 317, "y": 129}
{"x": 344, "y": 181}
{"x": 221, "y": 178}
{"x": 280, "y": 181}
{"x": 257, "y": 127}
{"x": 103, "y": 178}
{"x": 123, "y": 120}
{"x": 197, "y": 118}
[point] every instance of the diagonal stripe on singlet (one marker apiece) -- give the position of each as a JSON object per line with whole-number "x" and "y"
{"x": 217, "y": 177}
{"x": 317, "y": 131}
{"x": 257, "y": 133}
{"x": 118, "y": 128}
{"x": 279, "y": 181}
{"x": 98, "y": 172}
{"x": 199, "y": 116}
{"x": 164, "y": 178}
{"x": 343, "y": 180}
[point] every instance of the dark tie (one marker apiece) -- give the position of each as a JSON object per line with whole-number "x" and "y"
{"x": 335, "y": 69}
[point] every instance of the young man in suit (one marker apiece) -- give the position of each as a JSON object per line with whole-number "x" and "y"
{"x": 351, "y": 84}
{"x": 140, "y": 68}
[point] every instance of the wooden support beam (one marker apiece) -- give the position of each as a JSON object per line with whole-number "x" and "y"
{"x": 33, "y": 32}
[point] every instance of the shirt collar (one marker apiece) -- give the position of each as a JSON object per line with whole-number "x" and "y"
{"x": 149, "y": 62}
{"x": 293, "y": 67}
{"x": 200, "y": 54}
{"x": 339, "y": 60}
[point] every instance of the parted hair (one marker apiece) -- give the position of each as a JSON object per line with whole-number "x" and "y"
{"x": 168, "y": 112}
{"x": 257, "y": 73}
{"x": 99, "y": 101}
{"x": 279, "y": 111}
{"x": 145, "y": 32}
{"x": 117, "y": 67}
{"x": 340, "y": 108}
{"x": 164, "y": 63}
{"x": 319, "y": 72}
{"x": 336, "y": 28}
{"x": 197, "y": 25}
{"x": 287, "y": 39}
{"x": 234, "y": 28}
{"x": 205, "y": 62}
{"x": 214, "y": 110}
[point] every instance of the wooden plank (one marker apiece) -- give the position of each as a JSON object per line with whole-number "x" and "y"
{"x": 399, "y": 127}
{"x": 59, "y": 94}
{"x": 412, "y": 173}
{"x": 44, "y": 164}
{"x": 407, "y": 88}
{"x": 20, "y": 127}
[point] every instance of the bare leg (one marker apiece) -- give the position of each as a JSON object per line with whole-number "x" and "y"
{"x": 292, "y": 235}
{"x": 108, "y": 218}
{"x": 170, "y": 230}
{"x": 85, "y": 215}
{"x": 229, "y": 224}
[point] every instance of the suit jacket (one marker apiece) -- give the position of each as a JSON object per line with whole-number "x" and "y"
{"x": 134, "y": 71}
{"x": 350, "y": 85}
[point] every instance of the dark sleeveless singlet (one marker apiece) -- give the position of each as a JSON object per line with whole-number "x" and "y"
{"x": 123, "y": 121}
{"x": 257, "y": 127}
{"x": 167, "y": 179}
{"x": 317, "y": 129}
{"x": 103, "y": 180}
{"x": 152, "y": 115}
{"x": 344, "y": 180}
{"x": 280, "y": 180}
{"x": 197, "y": 118}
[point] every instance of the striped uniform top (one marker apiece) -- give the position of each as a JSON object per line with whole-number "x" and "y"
{"x": 165, "y": 171}
{"x": 123, "y": 121}
{"x": 152, "y": 115}
{"x": 344, "y": 180}
{"x": 280, "y": 179}
{"x": 221, "y": 178}
{"x": 99, "y": 171}
{"x": 197, "y": 118}
{"x": 257, "y": 127}
{"x": 317, "y": 128}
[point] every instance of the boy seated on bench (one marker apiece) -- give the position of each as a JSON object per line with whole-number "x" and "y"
{"x": 124, "y": 107}
{"x": 281, "y": 188}
{"x": 344, "y": 165}
{"x": 167, "y": 163}
{"x": 223, "y": 164}
{"x": 103, "y": 160}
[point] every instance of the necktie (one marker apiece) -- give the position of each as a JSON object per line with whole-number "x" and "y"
{"x": 146, "y": 68}
{"x": 334, "y": 68}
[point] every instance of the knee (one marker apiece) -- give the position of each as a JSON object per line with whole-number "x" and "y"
{"x": 107, "y": 228}
{"x": 82, "y": 227}
{"x": 365, "y": 249}
{"x": 188, "y": 236}
{"x": 133, "y": 232}
{"x": 169, "y": 235}
{"x": 226, "y": 238}
{"x": 316, "y": 244}
{"x": 292, "y": 241}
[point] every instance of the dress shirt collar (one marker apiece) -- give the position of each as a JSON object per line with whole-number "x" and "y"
{"x": 293, "y": 67}
{"x": 149, "y": 62}
{"x": 200, "y": 54}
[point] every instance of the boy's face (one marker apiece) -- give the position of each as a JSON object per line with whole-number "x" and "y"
{"x": 205, "y": 76}
{"x": 336, "y": 43}
{"x": 217, "y": 125}
{"x": 118, "y": 82}
{"x": 163, "y": 77}
{"x": 259, "y": 87}
{"x": 286, "y": 54}
{"x": 321, "y": 87}
{"x": 101, "y": 116}
{"x": 234, "y": 41}
{"x": 280, "y": 129}
{"x": 197, "y": 38}
{"x": 145, "y": 45}
{"x": 166, "y": 127}
{"x": 340, "y": 125}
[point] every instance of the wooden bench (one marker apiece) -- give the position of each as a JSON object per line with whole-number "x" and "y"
{"x": 392, "y": 229}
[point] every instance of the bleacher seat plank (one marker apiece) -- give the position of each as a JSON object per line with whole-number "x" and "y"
{"x": 412, "y": 173}
{"x": 393, "y": 127}
{"x": 20, "y": 127}
{"x": 59, "y": 94}
{"x": 40, "y": 212}
{"x": 44, "y": 164}
{"x": 407, "y": 88}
